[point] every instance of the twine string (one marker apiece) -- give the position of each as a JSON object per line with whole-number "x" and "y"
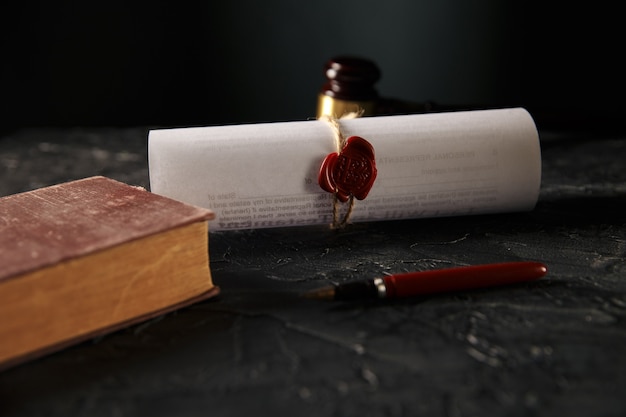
{"x": 340, "y": 141}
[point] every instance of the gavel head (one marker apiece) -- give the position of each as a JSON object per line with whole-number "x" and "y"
{"x": 349, "y": 87}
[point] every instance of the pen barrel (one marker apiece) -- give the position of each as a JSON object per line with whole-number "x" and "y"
{"x": 463, "y": 278}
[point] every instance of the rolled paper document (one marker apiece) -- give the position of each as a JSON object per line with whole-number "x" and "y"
{"x": 429, "y": 165}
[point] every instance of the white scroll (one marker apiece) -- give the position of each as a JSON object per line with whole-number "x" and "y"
{"x": 429, "y": 165}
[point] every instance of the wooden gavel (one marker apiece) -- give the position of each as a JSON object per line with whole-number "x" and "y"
{"x": 350, "y": 88}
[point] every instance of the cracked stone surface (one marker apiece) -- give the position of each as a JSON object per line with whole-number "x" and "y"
{"x": 552, "y": 347}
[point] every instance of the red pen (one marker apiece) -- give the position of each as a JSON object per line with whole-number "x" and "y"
{"x": 435, "y": 281}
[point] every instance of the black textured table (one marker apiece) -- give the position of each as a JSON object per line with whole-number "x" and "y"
{"x": 554, "y": 347}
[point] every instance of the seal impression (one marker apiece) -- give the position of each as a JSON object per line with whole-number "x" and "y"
{"x": 349, "y": 172}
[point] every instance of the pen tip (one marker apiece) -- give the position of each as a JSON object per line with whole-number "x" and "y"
{"x": 327, "y": 293}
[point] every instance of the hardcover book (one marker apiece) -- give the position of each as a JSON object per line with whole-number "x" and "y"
{"x": 88, "y": 257}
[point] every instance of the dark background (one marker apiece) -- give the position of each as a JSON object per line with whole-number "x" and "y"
{"x": 74, "y": 63}
{"x": 550, "y": 348}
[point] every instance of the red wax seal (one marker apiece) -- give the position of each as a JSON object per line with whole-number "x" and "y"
{"x": 350, "y": 172}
